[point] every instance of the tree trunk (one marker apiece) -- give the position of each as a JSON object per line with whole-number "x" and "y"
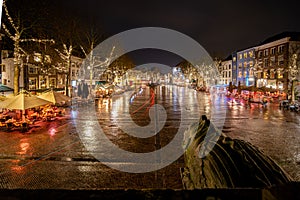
{"x": 293, "y": 90}
{"x": 16, "y": 78}
{"x": 68, "y": 81}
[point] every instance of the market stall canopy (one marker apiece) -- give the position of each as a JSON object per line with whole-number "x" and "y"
{"x": 23, "y": 101}
{"x": 4, "y": 88}
{"x": 54, "y": 97}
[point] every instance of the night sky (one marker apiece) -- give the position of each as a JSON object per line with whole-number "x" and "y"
{"x": 219, "y": 26}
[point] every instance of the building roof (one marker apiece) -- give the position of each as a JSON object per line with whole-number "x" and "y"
{"x": 294, "y": 36}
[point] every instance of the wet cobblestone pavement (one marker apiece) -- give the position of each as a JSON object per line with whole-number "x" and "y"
{"x": 52, "y": 155}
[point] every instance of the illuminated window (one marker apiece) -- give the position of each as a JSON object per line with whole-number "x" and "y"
{"x": 272, "y": 74}
{"x": 240, "y": 56}
{"x": 245, "y": 73}
{"x": 37, "y": 57}
{"x": 251, "y": 54}
{"x": 240, "y": 66}
{"x": 265, "y": 74}
{"x": 47, "y": 58}
{"x": 52, "y": 82}
{"x": 234, "y": 59}
{"x": 32, "y": 83}
{"x": 240, "y": 74}
{"x": 245, "y": 64}
{"x": 259, "y": 75}
{"x": 245, "y": 55}
{"x": 251, "y": 64}
{"x": 279, "y": 74}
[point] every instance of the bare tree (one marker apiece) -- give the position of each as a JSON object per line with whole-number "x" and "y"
{"x": 15, "y": 33}
{"x": 294, "y": 63}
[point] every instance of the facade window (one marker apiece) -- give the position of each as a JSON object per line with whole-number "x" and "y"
{"x": 280, "y": 49}
{"x": 272, "y": 74}
{"x": 229, "y": 74}
{"x": 245, "y": 55}
{"x": 245, "y": 74}
{"x": 240, "y": 56}
{"x": 245, "y": 64}
{"x": 251, "y": 64}
{"x": 240, "y": 74}
{"x": 251, "y": 72}
{"x": 229, "y": 67}
{"x": 32, "y": 83}
{"x": 3, "y": 68}
{"x": 43, "y": 83}
{"x": 240, "y": 66}
{"x": 266, "y": 52}
{"x": 272, "y": 61}
{"x": 5, "y": 81}
{"x": 32, "y": 70}
{"x": 273, "y": 51}
{"x": 259, "y": 54}
{"x": 251, "y": 54}
{"x": 47, "y": 59}
{"x": 279, "y": 74}
{"x": 37, "y": 57}
{"x": 265, "y": 74}
{"x": 280, "y": 60}
{"x": 266, "y": 62}
{"x": 73, "y": 73}
{"x": 259, "y": 75}
{"x": 234, "y": 67}
{"x": 234, "y": 59}
{"x": 52, "y": 82}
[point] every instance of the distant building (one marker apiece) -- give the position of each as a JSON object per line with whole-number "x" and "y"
{"x": 245, "y": 63}
{"x": 234, "y": 68}
{"x": 34, "y": 75}
{"x": 275, "y": 57}
{"x": 226, "y": 70}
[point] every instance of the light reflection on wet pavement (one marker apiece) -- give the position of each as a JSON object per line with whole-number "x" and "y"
{"x": 53, "y": 156}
